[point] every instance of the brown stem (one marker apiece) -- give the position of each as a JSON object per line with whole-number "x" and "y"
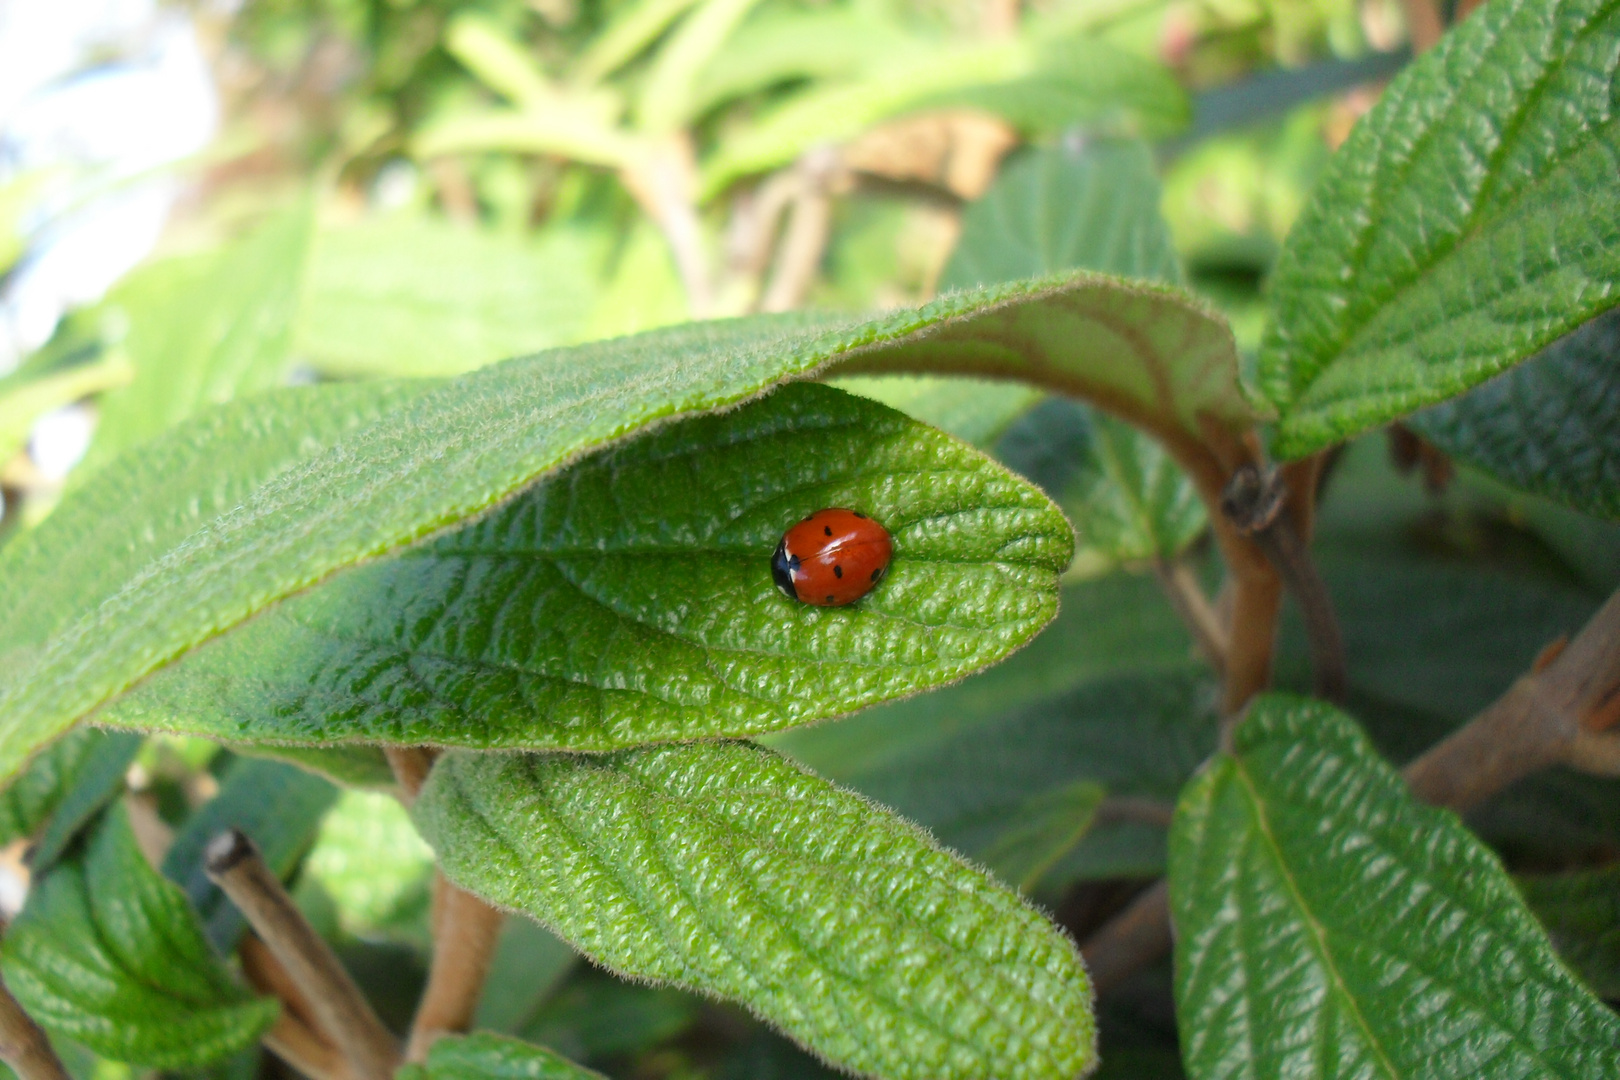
{"x": 1423, "y": 23}
{"x": 809, "y": 223}
{"x": 234, "y": 864}
{"x": 296, "y": 1037}
{"x": 663, "y": 180}
{"x": 1254, "y": 503}
{"x": 411, "y": 765}
{"x": 1563, "y": 713}
{"x": 465, "y": 933}
{"x": 23, "y": 1044}
{"x": 1131, "y": 940}
{"x": 1196, "y": 612}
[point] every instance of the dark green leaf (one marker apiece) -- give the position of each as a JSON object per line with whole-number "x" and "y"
{"x": 1551, "y": 425}
{"x": 33, "y": 797}
{"x": 529, "y": 963}
{"x": 1091, "y": 206}
{"x": 493, "y": 1057}
{"x": 631, "y": 600}
{"x": 97, "y": 781}
{"x": 257, "y": 501}
{"x": 595, "y": 1016}
{"x": 1039, "y": 831}
{"x": 723, "y": 868}
{"x": 1328, "y": 925}
{"x": 108, "y": 953}
{"x": 1581, "y": 912}
{"x": 278, "y": 806}
{"x": 1466, "y": 223}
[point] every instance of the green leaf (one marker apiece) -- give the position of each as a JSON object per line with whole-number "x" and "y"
{"x": 356, "y": 765}
{"x": 1092, "y": 205}
{"x": 493, "y": 1057}
{"x": 205, "y": 329}
{"x": 1551, "y": 425}
{"x": 109, "y": 954}
{"x": 530, "y": 962}
{"x": 370, "y": 861}
{"x": 595, "y": 1016}
{"x": 23, "y": 401}
{"x": 415, "y": 295}
{"x": 1466, "y": 223}
{"x": 631, "y": 601}
{"x": 278, "y": 806}
{"x": 725, "y": 869}
{"x": 28, "y": 803}
{"x": 1043, "y": 85}
{"x": 258, "y": 500}
{"x": 1581, "y": 912}
{"x": 974, "y": 410}
{"x": 666, "y": 101}
{"x": 1329, "y": 924}
{"x": 1039, "y": 831}
{"x": 96, "y": 781}
{"x": 1128, "y": 500}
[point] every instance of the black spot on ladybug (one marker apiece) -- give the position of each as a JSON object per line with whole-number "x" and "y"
{"x": 829, "y": 598}
{"x": 876, "y": 574}
{"x": 858, "y": 514}
{"x": 838, "y": 571}
{"x": 827, "y": 529}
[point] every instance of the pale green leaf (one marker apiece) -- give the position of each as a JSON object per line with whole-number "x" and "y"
{"x": 498, "y": 61}
{"x": 25, "y": 401}
{"x": 493, "y": 1057}
{"x": 258, "y": 500}
{"x": 204, "y": 329}
{"x": 635, "y": 26}
{"x": 630, "y": 600}
{"x": 355, "y": 765}
{"x": 723, "y": 868}
{"x": 109, "y": 954}
{"x": 1466, "y": 223}
{"x": 576, "y": 129}
{"x": 666, "y": 101}
{"x": 370, "y": 861}
{"x": 1551, "y": 425}
{"x": 974, "y": 410}
{"x": 1581, "y": 912}
{"x": 1128, "y": 501}
{"x": 1092, "y": 205}
{"x": 278, "y": 806}
{"x": 1329, "y": 925}
{"x": 1042, "y": 85}
{"x": 415, "y": 295}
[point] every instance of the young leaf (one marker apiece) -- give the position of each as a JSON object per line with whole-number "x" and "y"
{"x": 1466, "y": 223}
{"x": 109, "y": 954}
{"x": 1551, "y": 425}
{"x": 1093, "y": 206}
{"x": 1128, "y": 501}
{"x": 1329, "y": 924}
{"x": 723, "y": 868}
{"x": 493, "y": 1057}
{"x": 261, "y": 499}
{"x": 630, "y": 600}
{"x": 407, "y": 295}
{"x": 205, "y": 329}
{"x": 1581, "y": 912}
{"x": 279, "y": 806}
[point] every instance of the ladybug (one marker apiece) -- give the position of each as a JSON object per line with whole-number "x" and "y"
{"x": 832, "y": 558}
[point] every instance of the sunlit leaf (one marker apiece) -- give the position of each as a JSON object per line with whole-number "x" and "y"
{"x": 109, "y": 954}
{"x": 1466, "y": 223}
{"x": 723, "y": 868}
{"x": 493, "y": 1057}
{"x": 1329, "y": 924}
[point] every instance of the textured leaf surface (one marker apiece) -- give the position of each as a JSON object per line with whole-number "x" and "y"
{"x": 723, "y": 868}
{"x": 1128, "y": 500}
{"x": 1094, "y": 205}
{"x": 1581, "y": 912}
{"x": 1550, "y": 425}
{"x": 278, "y": 806}
{"x": 404, "y": 295}
{"x": 493, "y": 1057}
{"x": 1329, "y": 925}
{"x": 630, "y": 600}
{"x": 204, "y": 329}
{"x": 96, "y": 782}
{"x": 259, "y": 500}
{"x": 1466, "y": 223}
{"x": 109, "y": 954}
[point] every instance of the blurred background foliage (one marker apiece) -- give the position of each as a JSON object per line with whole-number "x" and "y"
{"x": 407, "y": 188}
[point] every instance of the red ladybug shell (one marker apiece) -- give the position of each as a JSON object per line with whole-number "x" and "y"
{"x": 832, "y": 558}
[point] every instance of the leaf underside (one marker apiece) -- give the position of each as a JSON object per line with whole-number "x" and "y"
{"x": 1329, "y": 925}
{"x": 723, "y": 868}
{"x": 1466, "y": 223}
{"x": 630, "y": 600}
